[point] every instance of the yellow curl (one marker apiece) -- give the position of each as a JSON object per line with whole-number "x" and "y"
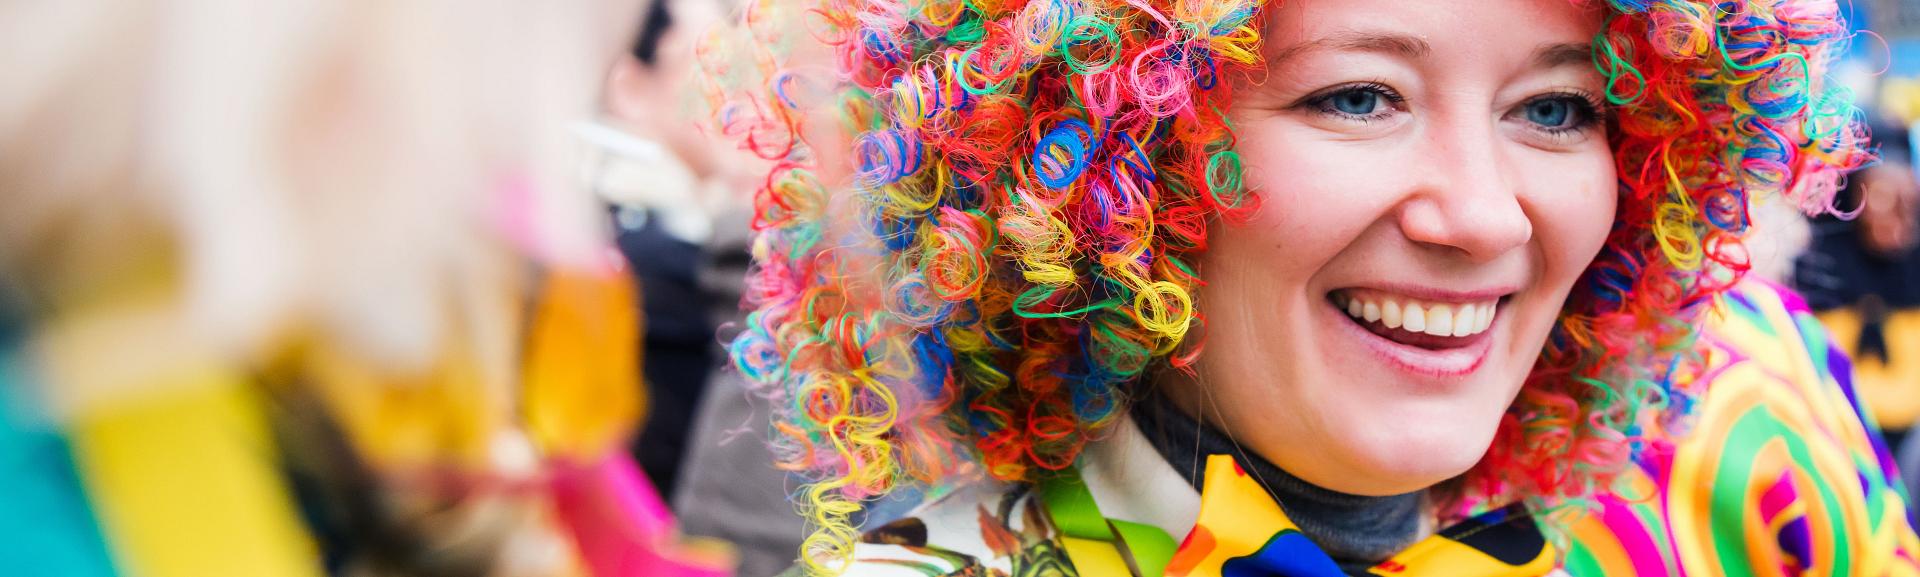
{"x": 1164, "y": 308}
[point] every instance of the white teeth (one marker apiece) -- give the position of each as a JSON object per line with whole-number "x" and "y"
{"x": 1438, "y": 319}
{"x": 1414, "y": 318}
{"x": 1464, "y": 320}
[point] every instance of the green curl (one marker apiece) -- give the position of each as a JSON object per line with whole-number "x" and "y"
{"x": 1224, "y": 173}
{"x": 1089, "y": 29}
{"x": 1023, "y": 304}
{"x": 1615, "y": 67}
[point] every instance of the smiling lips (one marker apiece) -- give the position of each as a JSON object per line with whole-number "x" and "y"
{"x": 1439, "y": 319}
{"x": 1421, "y": 323}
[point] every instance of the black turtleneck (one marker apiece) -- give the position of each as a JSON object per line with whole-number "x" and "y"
{"x": 1357, "y": 531}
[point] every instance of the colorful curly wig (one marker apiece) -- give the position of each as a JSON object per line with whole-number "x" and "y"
{"x": 1035, "y": 177}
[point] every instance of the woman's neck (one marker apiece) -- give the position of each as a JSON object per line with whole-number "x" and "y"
{"x": 1354, "y": 529}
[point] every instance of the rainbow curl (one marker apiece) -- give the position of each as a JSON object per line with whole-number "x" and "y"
{"x": 1035, "y": 177}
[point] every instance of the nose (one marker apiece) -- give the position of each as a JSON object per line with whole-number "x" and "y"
{"x": 1465, "y": 198}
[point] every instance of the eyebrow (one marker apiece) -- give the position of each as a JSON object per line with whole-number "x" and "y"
{"x": 1546, "y": 56}
{"x": 1356, "y": 41}
{"x": 1557, "y": 55}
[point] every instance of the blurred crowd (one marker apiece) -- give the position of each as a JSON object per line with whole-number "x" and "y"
{"x": 360, "y": 281}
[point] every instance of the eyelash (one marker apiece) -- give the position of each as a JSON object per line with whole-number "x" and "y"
{"x": 1322, "y": 102}
{"x": 1591, "y": 112}
{"x": 1589, "y": 108}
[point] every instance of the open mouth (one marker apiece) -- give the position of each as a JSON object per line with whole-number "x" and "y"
{"x": 1420, "y": 323}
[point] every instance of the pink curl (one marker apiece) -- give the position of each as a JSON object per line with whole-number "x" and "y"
{"x": 1100, "y": 93}
{"x": 1159, "y": 86}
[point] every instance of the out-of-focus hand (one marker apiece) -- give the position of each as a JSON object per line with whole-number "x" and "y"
{"x": 1890, "y": 198}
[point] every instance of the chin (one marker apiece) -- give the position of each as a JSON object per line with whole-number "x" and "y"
{"x": 1416, "y": 454}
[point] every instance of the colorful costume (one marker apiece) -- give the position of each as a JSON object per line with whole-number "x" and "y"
{"x": 1781, "y": 474}
{"x": 1781, "y": 477}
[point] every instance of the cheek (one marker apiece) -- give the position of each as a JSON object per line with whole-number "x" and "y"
{"x": 1312, "y": 205}
{"x": 1573, "y": 200}
{"x": 1261, "y": 273}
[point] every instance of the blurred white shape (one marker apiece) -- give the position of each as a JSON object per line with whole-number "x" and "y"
{"x": 341, "y": 166}
{"x": 643, "y": 177}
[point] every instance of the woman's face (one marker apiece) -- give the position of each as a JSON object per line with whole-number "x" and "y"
{"x": 1436, "y": 176}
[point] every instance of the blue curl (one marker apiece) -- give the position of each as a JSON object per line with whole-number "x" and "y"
{"x": 934, "y": 359}
{"x": 886, "y": 156}
{"x": 1071, "y": 136}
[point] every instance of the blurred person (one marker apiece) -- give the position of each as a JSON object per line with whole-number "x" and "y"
{"x": 678, "y": 203}
{"x": 303, "y": 289}
{"x": 666, "y": 185}
{"x": 679, "y": 206}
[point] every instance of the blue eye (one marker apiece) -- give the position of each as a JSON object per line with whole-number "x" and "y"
{"x": 1357, "y": 102}
{"x": 1561, "y": 113}
{"x": 1366, "y": 101}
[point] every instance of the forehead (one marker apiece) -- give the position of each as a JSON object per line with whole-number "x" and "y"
{"x": 1483, "y": 30}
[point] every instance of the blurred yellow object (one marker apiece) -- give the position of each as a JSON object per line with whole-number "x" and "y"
{"x": 1889, "y": 384}
{"x": 582, "y": 387}
{"x": 445, "y": 417}
{"x": 578, "y": 392}
{"x": 1900, "y": 98}
{"x": 186, "y": 484}
{"x": 168, "y": 436}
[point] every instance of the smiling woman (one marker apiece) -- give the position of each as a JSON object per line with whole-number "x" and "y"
{"x": 1450, "y": 263}
{"x": 1447, "y": 164}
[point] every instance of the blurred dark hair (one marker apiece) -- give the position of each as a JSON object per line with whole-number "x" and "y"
{"x": 653, "y": 25}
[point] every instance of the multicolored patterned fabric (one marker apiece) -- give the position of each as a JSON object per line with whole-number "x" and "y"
{"x": 1241, "y": 532}
{"x": 1781, "y": 474}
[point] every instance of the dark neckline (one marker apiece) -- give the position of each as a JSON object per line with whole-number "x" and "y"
{"x": 1357, "y": 531}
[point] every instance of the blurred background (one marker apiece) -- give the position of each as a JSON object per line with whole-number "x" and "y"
{"x": 442, "y": 288}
